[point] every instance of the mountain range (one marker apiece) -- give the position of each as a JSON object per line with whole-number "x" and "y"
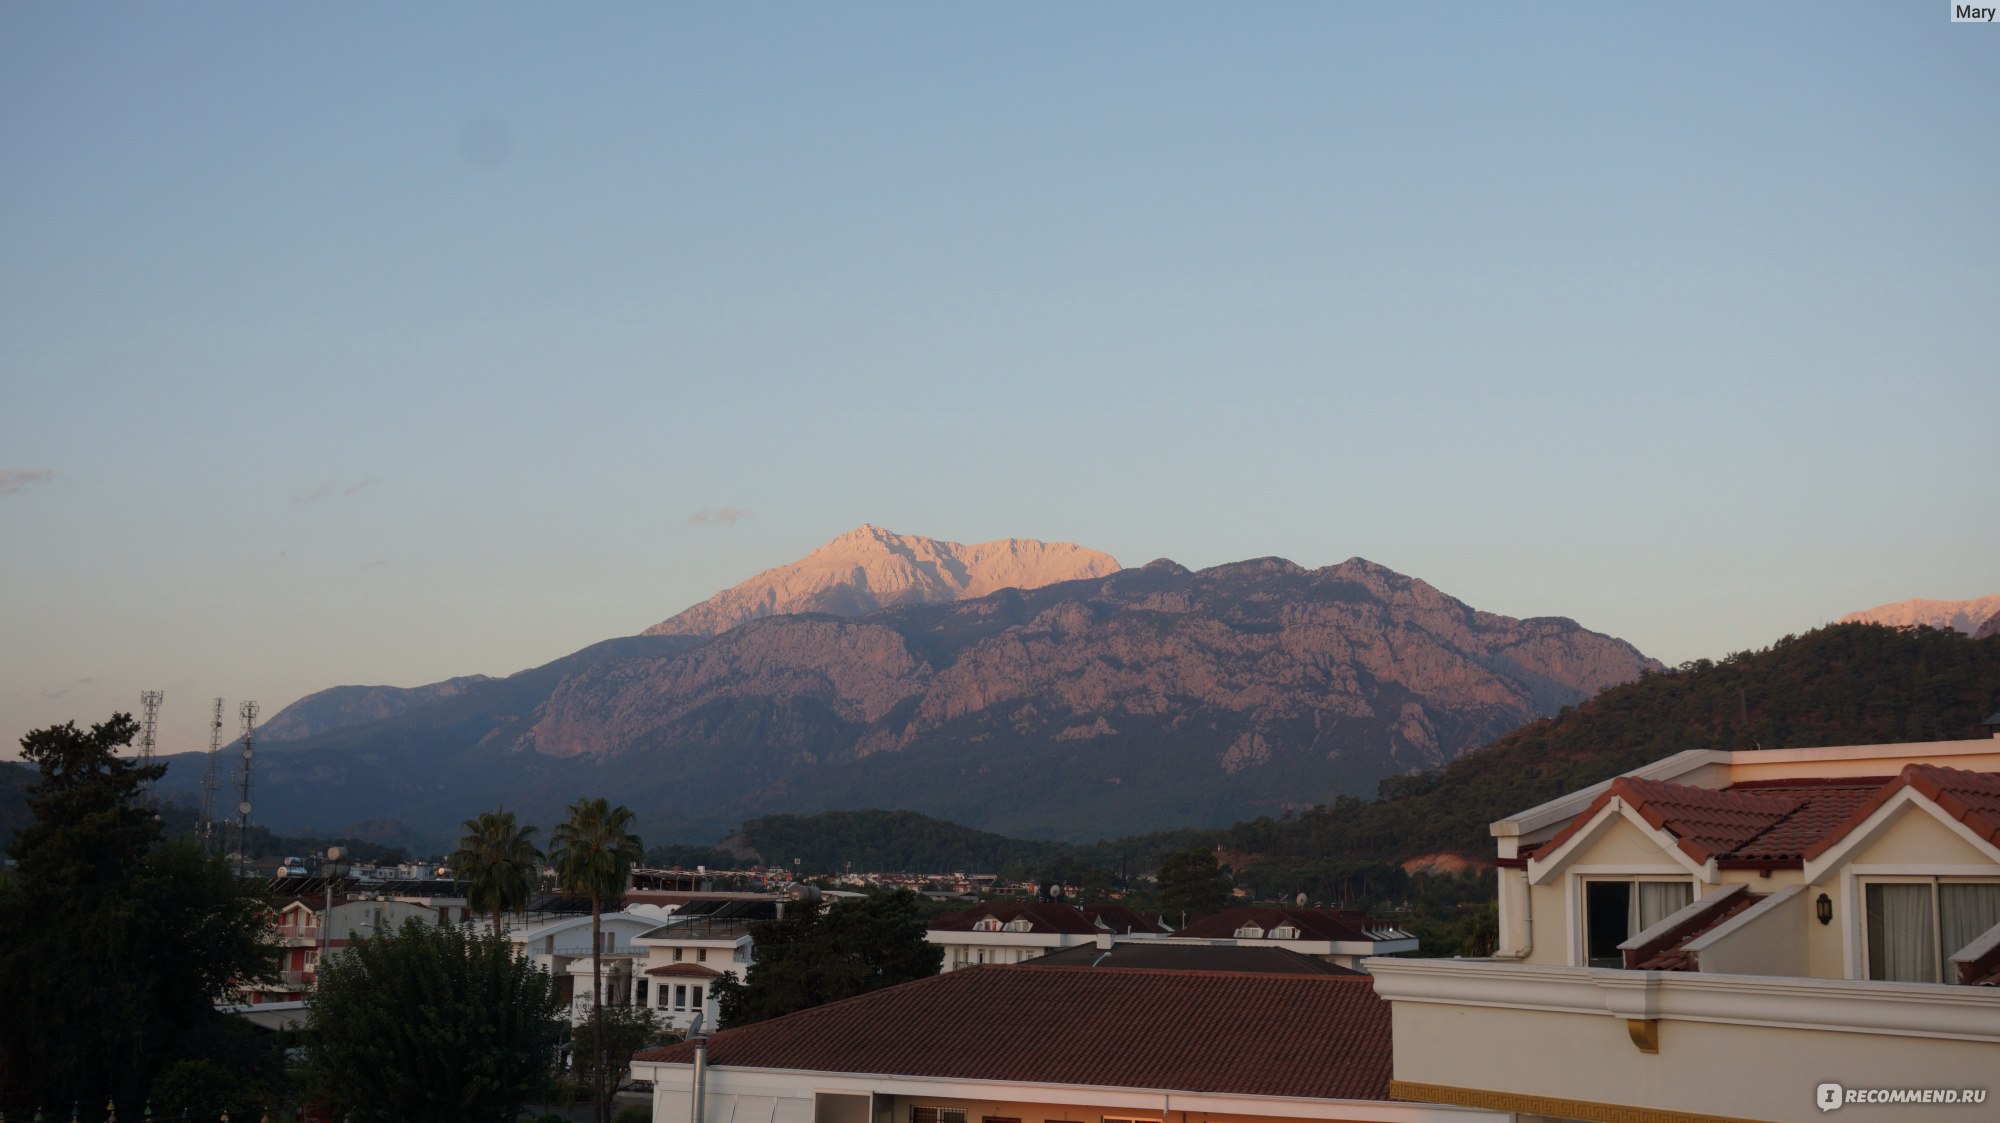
{"x": 1967, "y": 616}
{"x": 1106, "y": 704}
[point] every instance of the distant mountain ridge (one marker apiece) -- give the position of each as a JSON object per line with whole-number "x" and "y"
{"x": 340, "y": 707}
{"x": 1138, "y": 700}
{"x": 1967, "y": 616}
{"x": 870, "y": 568}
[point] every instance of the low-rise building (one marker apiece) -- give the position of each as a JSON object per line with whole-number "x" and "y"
{"x": 1020, "y": 1044}
{"x": 692, "y": 951}
{"x": 1017, "y": 931}
{"x": 1731, "y": 935}
{"x": 562, "y": 947}
{"x": 1339, "y": 936}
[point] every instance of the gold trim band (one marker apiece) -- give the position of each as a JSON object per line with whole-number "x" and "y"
{"x": 1585, "y": 1111}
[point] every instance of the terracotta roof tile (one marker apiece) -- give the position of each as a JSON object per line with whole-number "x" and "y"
{"x": 1973, "y": 798}
{"x": 685, "y": 971}
{"x": 1150, "y": 955}
{"x": 1317, "y": 1036}
{"x": 1672, "y": 954}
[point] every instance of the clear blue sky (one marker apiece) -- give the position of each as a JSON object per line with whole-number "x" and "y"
{"x": 367, "y": 343}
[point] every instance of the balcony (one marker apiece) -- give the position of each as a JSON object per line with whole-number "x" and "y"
{"x": 1581, "y": 1042}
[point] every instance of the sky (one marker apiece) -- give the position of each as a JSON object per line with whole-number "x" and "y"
{"x": 372, "y": 343}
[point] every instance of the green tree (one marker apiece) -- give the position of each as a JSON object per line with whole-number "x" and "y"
{"x": 818, "y": 953}
{"x": 1192, "y": 885}
{"x": 114, "y": 945}
{"x": 499, "y": 864}
{"x": 431, "y": 1024}
{"x": 593, "y": 852}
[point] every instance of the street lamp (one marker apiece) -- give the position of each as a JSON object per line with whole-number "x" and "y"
{"x": 328, "y": 870}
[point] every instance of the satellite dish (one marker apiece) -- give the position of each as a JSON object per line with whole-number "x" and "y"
{"x": 243, "y": 808}
{"x": 246, "y": 754}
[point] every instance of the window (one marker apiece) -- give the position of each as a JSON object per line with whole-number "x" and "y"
{"x": 1284, "y": 932}
{"x": 937, "y": 1114}
{"x": 987, "y": 924}
{"x": 642, "y": 991}
{"x": 680, "y": 998}
{"x": 1915, "y": 924}
{"x": 694, "y": 998}
{"x": 1615, "y": 911}
{"x": 1020, "y": 926}
{"x": 1249, "y": 932}
{"x": 677, "y": 955}
{"x": 701, "y": 955}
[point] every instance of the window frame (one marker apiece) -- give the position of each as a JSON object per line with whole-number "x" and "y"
{"x": 1580, "y": 880}
{"x": 1941, "y": 962}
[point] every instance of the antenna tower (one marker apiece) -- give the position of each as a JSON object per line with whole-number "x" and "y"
{"x": 149, "y": 701}
{"x": 208, "y": 780}
{"x": 249, "y": 712}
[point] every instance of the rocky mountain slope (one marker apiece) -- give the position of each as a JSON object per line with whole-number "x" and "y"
{"x": 1959, "y": 615}
{"x": 1143, "y": 699}
{"x": 870, "y": 568}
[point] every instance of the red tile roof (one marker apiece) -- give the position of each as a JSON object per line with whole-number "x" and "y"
{"x": 1042, "y": 916}
{"x": 1972, "y": 798}
{"x": 1671, "y": 954}
{"x": 1787, "y": 823}
{"x": 1320, "y": 1036}
{"x": 685, "y": 970}
{"x": 1313, "y": 924}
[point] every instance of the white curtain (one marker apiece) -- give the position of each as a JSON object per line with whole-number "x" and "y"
{"x": 1661, "y": 899}
{"x": 1965, "y": 912}
{"x": 1901, "y": 944}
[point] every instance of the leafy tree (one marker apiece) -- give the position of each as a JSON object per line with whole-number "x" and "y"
{"x": 817, "y": 953}
{"x": 114, "y": 945}
{"x": 593, "y": 854}
{"x": 1191, "y": 884}
{"x": 431, "y": 1024}
{"x": 626, "y": 1029}
{"x": 499, "y": 864}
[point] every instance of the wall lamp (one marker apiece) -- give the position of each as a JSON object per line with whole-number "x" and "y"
{"x": 1823, "y": 908}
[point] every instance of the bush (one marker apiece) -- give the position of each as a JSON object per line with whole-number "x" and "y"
{"x": 633, "y": 1113}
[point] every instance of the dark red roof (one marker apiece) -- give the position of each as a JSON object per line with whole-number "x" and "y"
{"x": 1787, "y": 823}
{"x": 685, "y": 970}
{"x": 1122, "y": 920}
{"x": 1671, "y": 954}
{"x": 1043, "y": 917}
{"x": 1319, "y": 1036}
{"x": 1313, "y": 924}
{"x": 1972, "y": 798}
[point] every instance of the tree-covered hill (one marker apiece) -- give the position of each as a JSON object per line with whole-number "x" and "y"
{"x": 1839, "y": 685}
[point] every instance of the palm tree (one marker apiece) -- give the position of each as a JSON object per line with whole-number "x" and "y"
{"x": 593, "y": 854}
{"x": 499, "y": 864}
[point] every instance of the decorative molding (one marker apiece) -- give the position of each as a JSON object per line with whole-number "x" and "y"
{"x": 1587, "y": 1111}
{"x": 1921, "y": 1010}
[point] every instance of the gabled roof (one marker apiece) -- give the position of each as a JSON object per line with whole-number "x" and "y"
{"x": 1043, "y": 917}
{"x": 1193, "y": 1031}
{"x": 1123, "y": 921}
{"x": 1971, "y": 798}
{"x": 1786, "y": 822}
{"x": 1333, "y": 925}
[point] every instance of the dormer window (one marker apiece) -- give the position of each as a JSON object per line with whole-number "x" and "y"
{"x": 987, "y": 924}
{"x": 1020, "y": 926}
{"x": 1284, "y": 932}
{"x": 1249, "y": 932}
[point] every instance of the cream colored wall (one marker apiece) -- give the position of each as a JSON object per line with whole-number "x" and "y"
{"x": 1748, "y": 767}
{"x": 1773, "y": 943}
{"x": 1745, "y": 1072}
{"x": 1917, "y": 838}
{"x": 1618, "y": 847}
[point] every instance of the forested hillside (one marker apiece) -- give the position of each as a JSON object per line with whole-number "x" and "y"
{"x": 1839, "y": 685}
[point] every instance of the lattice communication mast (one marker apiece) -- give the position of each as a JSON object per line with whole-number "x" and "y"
{"x": 249, "y": 712}
{"x": 209, "y": 783}
{"x": 149, "y": 703}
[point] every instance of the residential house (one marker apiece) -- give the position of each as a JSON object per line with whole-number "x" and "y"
{"x": 1728, "y": 935}
{"x": 1020, "y": 1044}
{"x": 1016, "y": 931}
{"x": 302, "y": 929}
{"x": 692, "y": 951}
{"x": 1339, "y": 936}
{"x": 562, "y": 947}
